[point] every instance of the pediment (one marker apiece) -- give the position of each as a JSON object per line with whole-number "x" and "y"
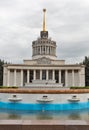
{"x": 43, "y": 60}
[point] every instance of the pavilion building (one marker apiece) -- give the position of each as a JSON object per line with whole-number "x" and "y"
{"x": 44, "y": 69}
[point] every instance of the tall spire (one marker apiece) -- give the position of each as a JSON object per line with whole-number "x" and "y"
{"x": 44, "y": 19}
{"x": 44, "y": 33}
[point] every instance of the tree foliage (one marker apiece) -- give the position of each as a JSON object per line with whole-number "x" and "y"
{"x": 86, "y": 63}
{"x": 1, "y": 72}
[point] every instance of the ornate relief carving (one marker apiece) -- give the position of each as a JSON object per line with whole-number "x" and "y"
{"x": 43, "y": 61}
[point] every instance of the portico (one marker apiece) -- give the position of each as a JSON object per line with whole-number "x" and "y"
{"x": 62, "y": 76}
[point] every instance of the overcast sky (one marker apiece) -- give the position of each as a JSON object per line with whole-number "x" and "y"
{"x": 21, "y": 23}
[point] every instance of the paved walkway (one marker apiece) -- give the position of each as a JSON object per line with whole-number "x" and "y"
{"x": 44, "y": 125}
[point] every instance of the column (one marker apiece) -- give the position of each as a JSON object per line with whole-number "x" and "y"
{"x": 52, "y": 50}
{"x": 27, "y": 76}
{"x": 72, "y": 77}
{"x": 48, "y": 50}
{"x": 37, "y": 49}
{"x": 40, "y": 74}
{"x": 66, "y": 78}
{"x": 46, "y": 74}
{"x": 14, "y": 77}
{"x": 21, "y": 77}
{"x": 40, "y": 49}
{"x": 45, "y": 50}
{"x": 79, "y": 77}
{"x": 59, "y": 76}
{"x": 34, "y": 50}
{"x": 34, "y": 78}
{"x": 53, "y": 75}
{"x": 55, "y": 51}
{"x": 8, "y": 78}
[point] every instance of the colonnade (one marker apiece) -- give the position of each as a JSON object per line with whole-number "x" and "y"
{"x": 44, "y": 50}
{"x": 41, "y": 75}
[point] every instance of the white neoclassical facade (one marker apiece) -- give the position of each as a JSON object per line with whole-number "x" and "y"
{"x": 44, "y": 70}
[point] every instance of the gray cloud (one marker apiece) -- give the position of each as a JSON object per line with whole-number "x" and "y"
{"x": 21, "y": 23}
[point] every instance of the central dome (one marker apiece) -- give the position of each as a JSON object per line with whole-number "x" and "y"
{"x": 44, "y": 46}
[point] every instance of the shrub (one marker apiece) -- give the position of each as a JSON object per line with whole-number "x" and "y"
{"x": 86, "y": 87}
{"x": 6, "y": 87}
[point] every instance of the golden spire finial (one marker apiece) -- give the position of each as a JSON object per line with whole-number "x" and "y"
{"x": 44, "y": 20}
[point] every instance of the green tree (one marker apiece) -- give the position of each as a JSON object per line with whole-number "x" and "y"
{"x": 1, "y": 72}
{"x": 86, "y": 63}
